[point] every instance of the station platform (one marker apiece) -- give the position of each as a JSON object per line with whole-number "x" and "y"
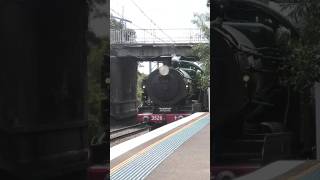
{"x": 179, "y": 150}
{"x": 288, "y": 169}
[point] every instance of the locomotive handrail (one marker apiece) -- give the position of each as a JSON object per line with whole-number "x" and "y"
{"x": 183, "y": 75}
{"x": 269, "y": 11}
{"x": 191, "y": 64}
{"x": 239, "y": 47}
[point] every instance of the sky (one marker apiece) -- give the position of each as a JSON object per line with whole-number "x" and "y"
{"x": 166, "y": 14}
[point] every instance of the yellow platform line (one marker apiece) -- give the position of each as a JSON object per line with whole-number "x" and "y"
{"x": 152, "y": 145}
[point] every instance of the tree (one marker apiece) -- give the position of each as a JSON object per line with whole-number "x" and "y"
{"x": 97, "y": 48}
{"x": 302, "y": 68}
{"x": 202, "y": 50}
{"x": 127, "y": 34}
{"x": 95, "y": 94}
{"x": 97, "y": 10}
{"x": 140, "y": 78}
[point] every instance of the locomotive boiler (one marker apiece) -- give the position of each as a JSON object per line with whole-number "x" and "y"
{"x": 168, "y": 86}
{"x": 256, "y": 118}
{"x": 171, "y": 92}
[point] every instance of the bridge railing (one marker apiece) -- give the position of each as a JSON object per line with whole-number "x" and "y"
{"x": 138, "y": 36}
{"x": 122, "y": 36}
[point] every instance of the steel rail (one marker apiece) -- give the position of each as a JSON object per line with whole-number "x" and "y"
{"x": 128, "y": 134}
{"x": 126, "y": 128}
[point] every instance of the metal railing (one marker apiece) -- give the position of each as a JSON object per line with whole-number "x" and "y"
{"x": 141, "y": 36}
{"x": 122, "y": 36}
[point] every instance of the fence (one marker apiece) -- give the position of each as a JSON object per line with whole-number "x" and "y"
{"x": 136, "y": 36}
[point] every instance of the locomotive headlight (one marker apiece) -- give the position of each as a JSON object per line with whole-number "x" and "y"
{"x": 164, "y": 70}
{"x": 246, "y": 78}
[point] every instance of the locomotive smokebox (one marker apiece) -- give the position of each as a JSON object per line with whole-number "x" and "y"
{"x": 167, "y": 86}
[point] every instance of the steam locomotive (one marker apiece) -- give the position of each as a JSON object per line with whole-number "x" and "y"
{"x": 256, "y": 117}
{"x": 172, "y": 91}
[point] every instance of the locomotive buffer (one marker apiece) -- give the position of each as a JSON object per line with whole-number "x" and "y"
{"x": 179, "y": 150}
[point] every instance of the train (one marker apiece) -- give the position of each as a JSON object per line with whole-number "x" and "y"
{"x": 256, "y": 117}
{"x": 172, "y": 91}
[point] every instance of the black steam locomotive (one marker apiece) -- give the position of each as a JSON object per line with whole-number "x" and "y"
{"x": 256, "y": 118}
{"x": 172, "y": 91}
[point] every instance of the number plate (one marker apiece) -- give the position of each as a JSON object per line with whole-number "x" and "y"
{"x": 156, "y": 117}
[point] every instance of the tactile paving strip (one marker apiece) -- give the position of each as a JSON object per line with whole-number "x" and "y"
{"x": 312, "y": 174}
{"x": 143, "y": 164}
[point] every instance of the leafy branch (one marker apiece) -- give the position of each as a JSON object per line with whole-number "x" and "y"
{"x": 202, "y": 50}
{"x": 302, "y": 68}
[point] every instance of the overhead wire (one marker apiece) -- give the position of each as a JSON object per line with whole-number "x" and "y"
{"x": 151, "y": 20}
{"x": 138, "y": 26}
{"x": 146, "y": 30}
{"x": 149, "y": 33}
{"x": 116, "y": 12}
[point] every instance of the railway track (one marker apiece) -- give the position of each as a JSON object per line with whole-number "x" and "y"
{"x": 128, "y": 131}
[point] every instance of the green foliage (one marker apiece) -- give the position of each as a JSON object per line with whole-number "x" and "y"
{"x": 302, "y": 69}
{"x": 96, "y": 8}
{"x": 117, "y": 25}
{"x": 141, "y": 76}
{"x": 114, "y": 24}
{"x": 95, "y": 94}
{"x": 202, "y": 21}
{"x": 202, "y": 50}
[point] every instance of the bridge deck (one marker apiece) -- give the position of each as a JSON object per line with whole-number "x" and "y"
{"x": 152, "y": 50}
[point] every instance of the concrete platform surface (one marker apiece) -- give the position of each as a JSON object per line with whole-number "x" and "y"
{"x": 181, "y": 153}
{"x": 287, "y": 170}
{"x": 191, "y": 161}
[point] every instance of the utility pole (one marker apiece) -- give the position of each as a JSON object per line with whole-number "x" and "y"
{"x": 123, "y": 23}
{"x": 150, "y": 67}
{"x": 121, "y": 19}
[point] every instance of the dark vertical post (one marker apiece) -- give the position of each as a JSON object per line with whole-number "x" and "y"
{"x": 43, "y": 117}
{"x": 317, "y": 100}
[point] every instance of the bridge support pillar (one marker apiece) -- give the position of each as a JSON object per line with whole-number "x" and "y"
{"x": 123, "y": 80}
